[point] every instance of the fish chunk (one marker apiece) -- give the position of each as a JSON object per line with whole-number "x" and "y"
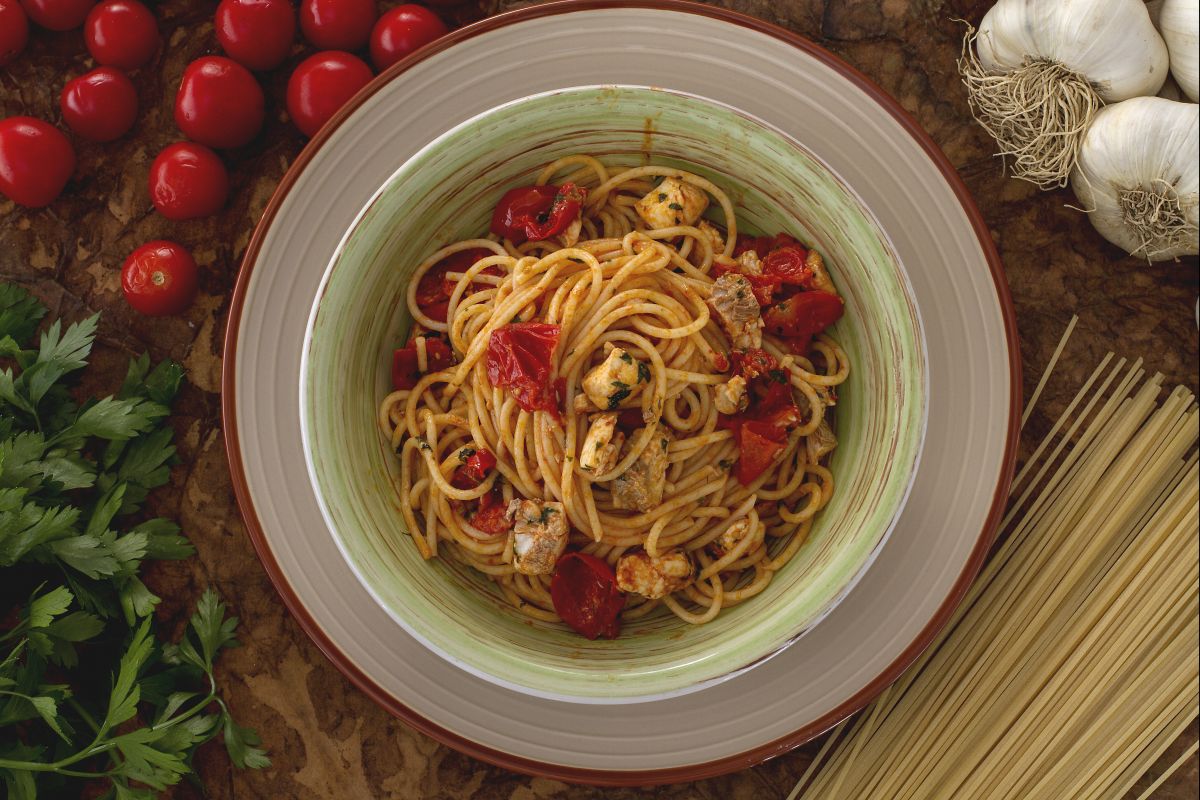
{"x": 654, "y": 577}
{"x": 730, "y": 397}
{"x": 737, "y": 311}
{"x": 540, "y": 530}
{"x": 640, "y": 487}
{"x": 672, "y": 203}
{"x": 618, "y": 377}
{"x": 821, "y": 280}
{"x": 820, "y": 442}
{"x": 602, "y": 445}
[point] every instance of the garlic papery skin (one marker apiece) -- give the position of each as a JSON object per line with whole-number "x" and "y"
{"x": 1138, "y": 177}
{"x": 1179, "y": 23}
{"x": 1041, "y": 69}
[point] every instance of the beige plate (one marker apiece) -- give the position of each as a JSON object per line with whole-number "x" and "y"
{"x": 941, "y": 537}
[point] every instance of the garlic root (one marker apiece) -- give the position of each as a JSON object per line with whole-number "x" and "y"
{"x": 1138, "y": 177}
{"x": 1037, "y": 113}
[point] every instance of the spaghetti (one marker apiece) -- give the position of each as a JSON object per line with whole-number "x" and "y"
{"x": 1071, "y": 665}
{"x": 611, "y": 404}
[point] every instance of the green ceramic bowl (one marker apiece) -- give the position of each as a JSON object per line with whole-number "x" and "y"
{"x": 445, "y": 193}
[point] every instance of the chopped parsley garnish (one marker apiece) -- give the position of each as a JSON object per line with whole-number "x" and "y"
{"x": 623, "y": 391}
{"x": 424, "y": 445}
{"x": 628, "y": 359}
{"x": 662, "y": 196}
{"x": 576, "y": 260}
{"x": 675, "y": 206}
{"x": 725, "y": 463}
{"x": 547, "y": 512}
{"x": 778, "y": 375}
{"x": 465, "y": 453}
{"x": 643, "y": 373}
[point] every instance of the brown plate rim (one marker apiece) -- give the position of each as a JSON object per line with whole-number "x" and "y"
{"x": 562, "y": 772}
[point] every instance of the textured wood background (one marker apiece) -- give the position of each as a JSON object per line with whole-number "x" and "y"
{"x": 327, "y": 740}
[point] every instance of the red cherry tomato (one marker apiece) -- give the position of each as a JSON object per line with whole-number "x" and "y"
{"x": 36, "y": 161}
{"x": 804, "y": 315}
{"x": 100, "y": 105}
{"x": 585, "y": 594}
{"x": 14, "y": 30}
{"x": 188, "y": 181}
{"x": 219, "y": 103}
{"x": 401, "y": 31}
{"x": 491, "y": 516}
{"x": 519, "y": 359}
{"x": 321, "y": 85}
{"x": 534, "y": 213}
{"x": 474, "y": 470}
{"x": 58, "y": 15}
{"x": 789, "y": 263}
{"x": 752, "y": 362}
{"x": 159, "y": 278}
{"x": 434, "y": 288}
{"x": 121, "y": 33}
{"x": 257, "y": 34}
{"x": 337, "y": 24}
{"x": 759, "y": 443}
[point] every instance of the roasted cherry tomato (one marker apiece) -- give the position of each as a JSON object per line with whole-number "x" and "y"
{"x": 492, "y": 514}
{"x": 14, "y": 30}
{"x": 752, "y": 362}
{"x": 159, "y": 278}
{"x": 100, "y": 105}
{"x": 188, "y": 181}
{"x": 406, "y": 371}
{"x": 121, "y": 33}
{"x": 219, "y": 103}
{"x": 788, "y": 264}
{"x": 804, "y": 315}
{"x": 533, "y": 213}
{"x": 474, "y": 470}
{"x": 36, "y": 161}
{"x": 434, "y": 288}
{"x": 321, "y": 85}
{"x": 519, "y": 359}
{"x": 759, "y": 444}
{"x": 337, "y": 24}
{"x": 585, "y": 594}
{"x": 401, "y": 31}
{"x": 257, "y": 34}
{"x": 58, "y": 15}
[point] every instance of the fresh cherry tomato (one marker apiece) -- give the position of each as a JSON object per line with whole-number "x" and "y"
{"x": 804, "y": 315}
{"x": 36, "y": 161}
{"x": 14, "y": 30}
{"x": 519, "y": 359}
{"x": 321, "y": 85}
{"x": 100, "y": 105}
{"x": 257, "y": 34}
{"x": 534, "y": 213}
{"x": 401, "y": 31}
{"x": 121, "y": 33}
{"x": 58, "y": 15}
{"x": 159, "y": 278}
{"x": 219, "y": 103}
{"x": 337, "y": 24}
{"x": 585, "y": 594}
{"x": 188, "y": 181}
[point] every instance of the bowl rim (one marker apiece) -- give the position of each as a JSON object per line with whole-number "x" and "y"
{"x": 530, "y": 766}
{"x": 787, "y": 635}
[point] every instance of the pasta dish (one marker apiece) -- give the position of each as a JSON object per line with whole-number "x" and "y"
{"x": 612, "y": 403}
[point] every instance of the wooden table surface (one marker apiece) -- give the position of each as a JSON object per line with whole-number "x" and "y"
{"x": 327, "y": 739}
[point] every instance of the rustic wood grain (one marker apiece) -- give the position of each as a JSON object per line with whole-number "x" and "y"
{"x": 327, "y": 740}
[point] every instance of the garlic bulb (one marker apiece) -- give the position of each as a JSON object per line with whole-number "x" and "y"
{"x": 1041, "y": 70}
{"x": 1179, "y": 22}
{"x": 1138, "y": 176}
